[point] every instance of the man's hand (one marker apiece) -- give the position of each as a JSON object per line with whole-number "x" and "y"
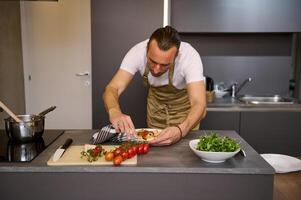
{"x": 168, "y": 136}
{"x": 122, "y": 122}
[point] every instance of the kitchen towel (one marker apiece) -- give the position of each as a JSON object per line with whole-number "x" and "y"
{"x": 108, "y": 134}
{"x": 283, "y": 163}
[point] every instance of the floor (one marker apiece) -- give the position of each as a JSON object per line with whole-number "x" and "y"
{"x": 287, "y": 186}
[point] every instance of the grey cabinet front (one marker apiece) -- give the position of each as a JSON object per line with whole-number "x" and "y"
{"x": 219, "y": 120}
{"x": 272, "y": 132}
{"x": 242, "y": 16}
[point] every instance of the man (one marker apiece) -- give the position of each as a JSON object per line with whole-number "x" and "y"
{"x": 176, "y": 99}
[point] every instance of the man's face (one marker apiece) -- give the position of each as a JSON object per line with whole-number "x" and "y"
{"x": 158, "y": 60}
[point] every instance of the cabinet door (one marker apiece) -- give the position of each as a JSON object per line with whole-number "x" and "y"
{"x": 236, "y": 15}
{"x": 219, "y": 120}
{"x": 272, "y": 132}
{"x": 116, "y": 27}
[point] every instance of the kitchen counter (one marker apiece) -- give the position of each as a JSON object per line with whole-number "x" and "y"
{"x": 231, "y": 104}
{"x": 172, "y": 172}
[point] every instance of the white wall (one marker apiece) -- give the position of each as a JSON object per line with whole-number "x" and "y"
{"x": 56, "y": 39}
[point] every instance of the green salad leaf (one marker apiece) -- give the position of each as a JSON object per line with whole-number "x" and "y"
{"x": 215, "y": 143}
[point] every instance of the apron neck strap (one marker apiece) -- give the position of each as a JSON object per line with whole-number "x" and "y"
{"x": 145, "y": 75}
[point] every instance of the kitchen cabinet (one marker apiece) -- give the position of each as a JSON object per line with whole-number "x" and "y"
{"x": 219, "y": 120}
{"x": 244, "y": 16}
{"x": 272, "y": 132}
{"x": 171, "y": 172}
{"x": 267, "y": 131}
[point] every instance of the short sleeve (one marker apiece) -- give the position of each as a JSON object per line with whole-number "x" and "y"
{"x": 193, "y": 67}
{"x": 134, "y": 59}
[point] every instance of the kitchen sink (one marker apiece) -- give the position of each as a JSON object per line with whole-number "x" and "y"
{"x": 267, "y": 100}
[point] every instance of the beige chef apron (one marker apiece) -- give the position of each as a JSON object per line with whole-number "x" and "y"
{"x": 166, "y": 105}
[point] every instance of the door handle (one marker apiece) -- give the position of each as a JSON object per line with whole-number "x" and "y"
{"x": 82, "y": 74}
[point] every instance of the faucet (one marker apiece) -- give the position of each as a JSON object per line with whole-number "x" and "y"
{"x": 234, "y": 89}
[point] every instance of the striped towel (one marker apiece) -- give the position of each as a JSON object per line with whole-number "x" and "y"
{"x": 108, "y": 134}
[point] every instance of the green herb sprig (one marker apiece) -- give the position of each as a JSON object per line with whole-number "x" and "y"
{"x": 215, "y": 143}
{"x": 92, "y": 155}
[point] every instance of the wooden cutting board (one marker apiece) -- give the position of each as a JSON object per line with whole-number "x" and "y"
{"x": 72, "y": 156}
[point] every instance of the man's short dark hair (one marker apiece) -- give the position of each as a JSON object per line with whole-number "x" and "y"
{"x": 166, "y": 37}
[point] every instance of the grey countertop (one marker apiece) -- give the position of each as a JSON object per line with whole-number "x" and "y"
{"x": 231, "y": 104}
{"x": 177, "y": 158}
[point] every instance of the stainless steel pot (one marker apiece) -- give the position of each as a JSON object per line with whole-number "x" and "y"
{"x": 30, "y": 128}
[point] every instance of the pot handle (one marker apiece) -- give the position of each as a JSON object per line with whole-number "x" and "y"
{"x": 47, "y": 110}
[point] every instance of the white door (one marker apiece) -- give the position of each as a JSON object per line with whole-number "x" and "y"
{"x": 56, "y": 40}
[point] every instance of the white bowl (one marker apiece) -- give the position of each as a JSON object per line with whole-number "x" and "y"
{"x": 212, "y": 157}
{"x": 220, "y": 93}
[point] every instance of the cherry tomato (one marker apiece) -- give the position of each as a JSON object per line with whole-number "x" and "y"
{"x": 145, "y": 148}
{"x": 109, "y": 156}
{"x": 140, "y": 149}
{"x": 131, "y": 153}
{"x": 135, "y": 149}
{"x": 117, "y": 160}
{"x": 117, "y": 152}
{"x": 93, "y": 153}
{"x": 125, "y": 155}
{"x": 97, "y": 149}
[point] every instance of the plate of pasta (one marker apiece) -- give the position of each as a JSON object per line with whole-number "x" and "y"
{"x": 147, "y": 134}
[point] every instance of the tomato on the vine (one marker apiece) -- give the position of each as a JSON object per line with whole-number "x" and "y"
{"x": 93, "y": 153}
{"x": 125, "y": 151}
{"x": 145, "y": 148}
{"x": 109, "y": 156}
{"x": 131, "y": 152}
{"x": 140, "y": 148}
{"x": 117, "y": 152}
{"x": 97, "y": 149}
{"x": 135, "y": 149}
{"x": 125, "y": 155}
{"x": 117, "y": 160}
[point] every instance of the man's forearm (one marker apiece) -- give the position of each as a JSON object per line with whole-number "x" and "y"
{"x": 196, "y": 113}
{"x": 110, "y": 98}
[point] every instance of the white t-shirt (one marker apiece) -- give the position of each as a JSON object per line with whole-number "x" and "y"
{"x": 188, "y": 65}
